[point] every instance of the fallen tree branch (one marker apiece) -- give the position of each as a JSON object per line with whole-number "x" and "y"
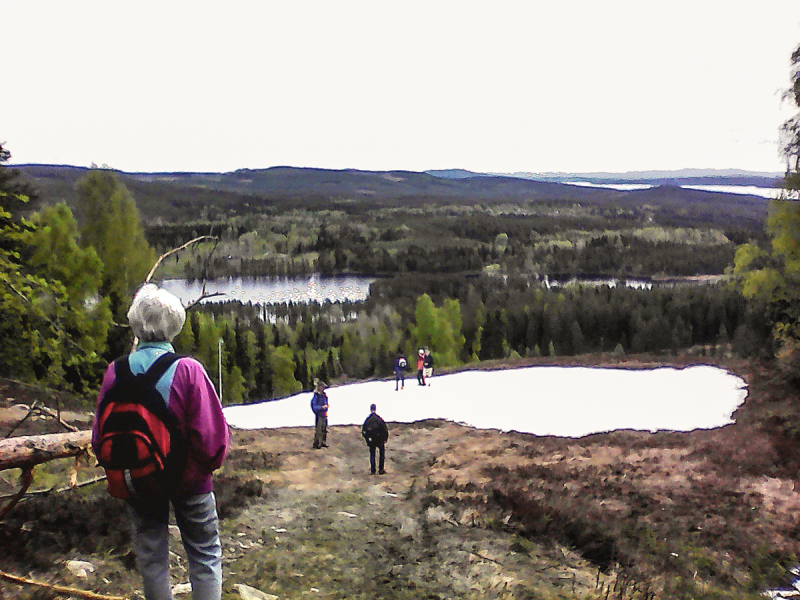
{"x": 28, "y": 451}
{"x": 76, "y": 593}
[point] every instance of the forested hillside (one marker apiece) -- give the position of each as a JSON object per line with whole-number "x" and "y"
{"x": 461, "y": 263}
{"x": 248, "y": 191}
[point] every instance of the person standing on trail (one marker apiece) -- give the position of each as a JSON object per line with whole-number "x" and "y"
{"x": 199, "y": 430}
{"x": 400, "y": 365}
{"x": 375, "y": 433}
{"x": 421, "y": 367}
{"x": 427, "y": 363}
{"x": 319, "y": 404}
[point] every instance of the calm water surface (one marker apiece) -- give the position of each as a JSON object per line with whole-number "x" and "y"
{"x": 268, "y": 290}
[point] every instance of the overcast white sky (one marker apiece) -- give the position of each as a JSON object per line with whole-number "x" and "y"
{"x": 580, "y": 85}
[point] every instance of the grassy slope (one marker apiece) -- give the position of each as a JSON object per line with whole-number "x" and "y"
{"x": 470, "y": 514}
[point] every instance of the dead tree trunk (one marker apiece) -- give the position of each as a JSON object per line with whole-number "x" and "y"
{"x": 30, "y": 450}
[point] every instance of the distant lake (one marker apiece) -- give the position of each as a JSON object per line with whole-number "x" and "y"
{"x": 749, "y": 190}
{"x": 274, "y": 290}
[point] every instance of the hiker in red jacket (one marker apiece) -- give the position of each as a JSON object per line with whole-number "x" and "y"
{"x": 421, "y": 367}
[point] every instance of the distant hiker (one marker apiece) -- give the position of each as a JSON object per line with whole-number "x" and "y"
{"x": 170, "y": 402}
{"x": 375, "y": 433}
{"x": 421, "y": 367}
{"x": 319, "y": 404}
{"x": 427, "y": 363}
{"x": 400, "y": 365}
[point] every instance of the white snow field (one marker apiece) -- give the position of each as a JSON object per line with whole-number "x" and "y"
{"x": 561, "y": 401}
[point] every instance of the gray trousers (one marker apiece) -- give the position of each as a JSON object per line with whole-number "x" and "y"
{"x": 320, "y": 429}
{"x": 196, "y": 517}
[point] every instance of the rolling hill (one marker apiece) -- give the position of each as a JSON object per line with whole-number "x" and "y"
{"x": 179, "y": 196}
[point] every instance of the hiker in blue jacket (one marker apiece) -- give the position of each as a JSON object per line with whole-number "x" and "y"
{"x": 400, "y": 365}
{"x": 319, "y": 404}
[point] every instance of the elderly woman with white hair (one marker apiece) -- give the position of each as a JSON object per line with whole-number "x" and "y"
{"x": 156, "y": 317}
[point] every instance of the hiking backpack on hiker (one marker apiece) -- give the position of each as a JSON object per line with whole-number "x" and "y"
{"x": 373, "y": 430}
{"x": 139, "y": 443}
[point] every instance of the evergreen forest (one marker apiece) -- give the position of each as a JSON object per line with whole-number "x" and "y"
{"x": 465, "y": 277}
{"x": 462, "y": 266}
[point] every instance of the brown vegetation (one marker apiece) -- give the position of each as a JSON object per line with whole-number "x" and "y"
{"x": 469, "y": 513}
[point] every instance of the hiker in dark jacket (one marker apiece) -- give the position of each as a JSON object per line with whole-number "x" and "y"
{"x": 375, "y": 433}
{"x": 427, "y": 363}
{"x": 319, "y": 404}
{"x": 156, "y": 317}
{"x": 400, "y": 365}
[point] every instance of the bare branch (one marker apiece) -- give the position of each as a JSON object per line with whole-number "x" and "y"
{"x": 203, "y": 297}
{"x": 26, "y": 477}
{"x": 49, "y": 412}
{"x": 37, "y": 408}
{"x": 173, "y": 251}
{"x": 205, "y": 267}
{"x": 60, "y": 589}
{"x": 54, "y": 490}
{"x": 31, "y": 408}
{"x": 178, "y": 249}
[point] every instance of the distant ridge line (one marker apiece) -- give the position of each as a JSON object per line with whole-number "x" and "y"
{"x": 457, "y": 173}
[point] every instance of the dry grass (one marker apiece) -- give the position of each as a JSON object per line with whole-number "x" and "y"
{"x": 467, "y": 513}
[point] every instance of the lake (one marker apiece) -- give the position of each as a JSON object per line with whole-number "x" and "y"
{"x": 561, "y": 401}
{"x": 274, "y": 290}
{"x": 750, "y": 190}
{"x": 352, "y": 288}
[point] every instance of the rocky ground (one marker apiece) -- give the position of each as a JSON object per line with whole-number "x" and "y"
{"x": 461, "y": 513}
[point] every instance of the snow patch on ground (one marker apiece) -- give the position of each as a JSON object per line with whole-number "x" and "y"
{"x": 561, "y": 401}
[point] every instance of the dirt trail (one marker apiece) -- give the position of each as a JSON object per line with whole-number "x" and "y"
{"x": 326, "y": 524}
{"x": 461, "y": 513}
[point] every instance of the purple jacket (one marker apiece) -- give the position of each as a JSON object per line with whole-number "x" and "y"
{"x": 191, "y": 397}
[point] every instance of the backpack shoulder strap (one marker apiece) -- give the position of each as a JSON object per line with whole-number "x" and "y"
{"x": 122, "y": 373}
{"x": 160, "y": 366}
{"x": 122, "y": 368}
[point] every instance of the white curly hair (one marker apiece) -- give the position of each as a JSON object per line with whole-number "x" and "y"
{"x": 156, "y": 315}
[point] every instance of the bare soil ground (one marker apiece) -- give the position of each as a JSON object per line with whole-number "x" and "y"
{"x": 461, "y": 513}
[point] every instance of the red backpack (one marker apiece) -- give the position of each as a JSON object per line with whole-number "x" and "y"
{"x": 139, "y": 443}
